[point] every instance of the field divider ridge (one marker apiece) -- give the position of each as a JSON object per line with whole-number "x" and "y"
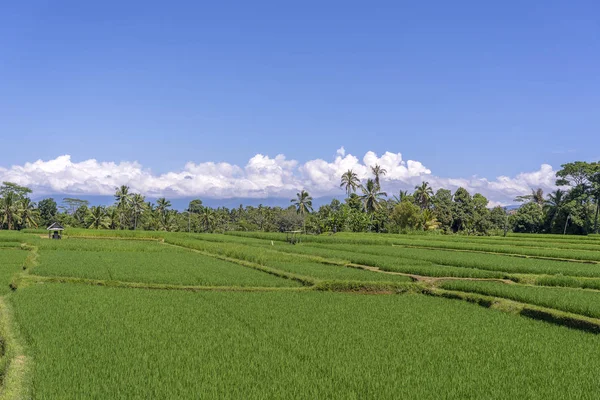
{"x": 425, "y": 278}
{"x": 500, "y": 253}
{"x": 511, "y": 278}
{"x": 540, "y": 313}
{"x": 15, "y": 368}
{"x": 38, "y": 279}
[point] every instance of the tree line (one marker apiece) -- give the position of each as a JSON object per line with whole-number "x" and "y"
{"x": 573, "y": 209}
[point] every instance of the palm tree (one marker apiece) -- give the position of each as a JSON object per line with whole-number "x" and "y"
{"x": 9, "y": 209}
{"x": 112, "y": 217}
{"x": 122, "y": 198}
{"x": 429, "y": 221}
{"x": 350, "y": 181}
{"x": 162, "y": 206}
{"x": 138, "y": 205}
{"x": 402, "y": 194}
{"x": 303, "y": 204}
{"x": 536, "y": 196}
{"x": 423, "y": 195}
{"x": 371, "y": 195}
{"x": 207, "y": 218}
{"x": 168, "y": 221}
{"x": 377, "y": 172}
{"x": 97, "y": 218}
{"x": 152, "y": 218}
{"x": 29, "y": 214}
{"x": 553, "y": 205}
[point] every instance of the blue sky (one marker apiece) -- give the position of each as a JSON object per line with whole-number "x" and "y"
{"x": 465, "y": 87}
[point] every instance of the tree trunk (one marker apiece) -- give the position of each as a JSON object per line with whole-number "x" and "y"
{"x": 304, "y": 223}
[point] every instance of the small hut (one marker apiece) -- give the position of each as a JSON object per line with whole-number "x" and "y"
{"x": 55, "y": 231}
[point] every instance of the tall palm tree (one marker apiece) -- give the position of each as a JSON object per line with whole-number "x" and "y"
{"x": 377, "y": 172}
{"x": 112, "y": 216}
{"x": 29, "y": 214}
{"x": 554, "y": 204}
{"x": 402, "y": 194}
{"x": 536, "y": 196}
{"x": 138, "y": 205}
{"x": 303, "y": 204}
{"x": 207, "y": 218}
{"x": 97, "y": 218}
{"x": 162, "y": 206}
{"x": 122, "y": 198}
{"x": 371, "y": 195}
{"x": 9, "y": 209}
{"x": 169, "y": 220}
{"x": 151, "y": 217}
{"x": 423, "y": 195}
{"x": 350, "y": 182}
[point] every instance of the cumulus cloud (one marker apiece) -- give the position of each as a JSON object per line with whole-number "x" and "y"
{"x": 263, "y": 176}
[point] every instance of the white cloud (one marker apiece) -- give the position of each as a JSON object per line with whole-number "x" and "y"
{"x": 261, "y": 177}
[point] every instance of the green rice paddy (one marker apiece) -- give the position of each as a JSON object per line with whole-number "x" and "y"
{"x": 104, "y": 314}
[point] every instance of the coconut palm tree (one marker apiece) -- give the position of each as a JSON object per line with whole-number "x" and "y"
{"x": 350, "y": 182}
{"x": 122, "y": 198}
{"x": 428, "y": 221}
{"x": 536, "y": 196}
{"x": 377, "y": 172}
{"x": 303, "y": 204}
{"x": 9, "y": 209}
{"x": 402, "y": 195}
{"x": 371, "y": 195}
{"x": 96, "y": 218}
{"x": 554, "y": 204}
{"x": 151, "y": 217}
{"x": 207, "y": 218}
{"x": 423, "y": 195}
{"x": 137, "y": 203}
{"x": 112, "y": 216}
{"x": 29, "y": 214}
{"x": 169, "y": 222}
{"x": 162, "y": 206}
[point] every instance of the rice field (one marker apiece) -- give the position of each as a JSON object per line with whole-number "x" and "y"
{"x": 170, "y": 266}
{"x": 140, "y": 344}
{"x": 103, "y": 314}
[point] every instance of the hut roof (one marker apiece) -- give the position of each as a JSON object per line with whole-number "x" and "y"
{"x": 55, "y": 227}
